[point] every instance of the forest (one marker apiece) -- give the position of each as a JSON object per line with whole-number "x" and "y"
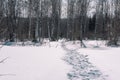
{"x": 35, "y": 20}
{"x": 59, "y": 39}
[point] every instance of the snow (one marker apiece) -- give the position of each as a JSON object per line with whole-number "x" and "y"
{"x": 46, "y": 62}
{"x": 33, "y": 63}
{"x": 107, "y": 60}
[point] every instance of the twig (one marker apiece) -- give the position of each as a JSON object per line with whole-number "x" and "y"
{"x": 2, "y": 61}
{"x": 7, "y": 75}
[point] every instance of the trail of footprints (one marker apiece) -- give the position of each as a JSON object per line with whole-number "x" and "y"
{"x": 82, "y": 69}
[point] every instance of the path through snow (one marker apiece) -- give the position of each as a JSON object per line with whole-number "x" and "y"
{"x": 82, "y": 68}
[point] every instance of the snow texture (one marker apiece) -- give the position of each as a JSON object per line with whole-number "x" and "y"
{"x": 48, "y": 61}
{"x": 82, "y": 68}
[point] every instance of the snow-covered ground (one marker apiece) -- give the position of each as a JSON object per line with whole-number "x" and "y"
{"x": 46, "y": 62}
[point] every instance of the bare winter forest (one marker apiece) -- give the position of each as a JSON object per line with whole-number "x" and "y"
{"x": 59, "y": 39}
{"x": 34, "y": 20}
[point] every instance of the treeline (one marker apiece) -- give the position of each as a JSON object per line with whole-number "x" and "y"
{"x": 34, "y": 20}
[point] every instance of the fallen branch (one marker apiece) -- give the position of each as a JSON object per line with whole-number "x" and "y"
{"x": 2, "y": 61}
